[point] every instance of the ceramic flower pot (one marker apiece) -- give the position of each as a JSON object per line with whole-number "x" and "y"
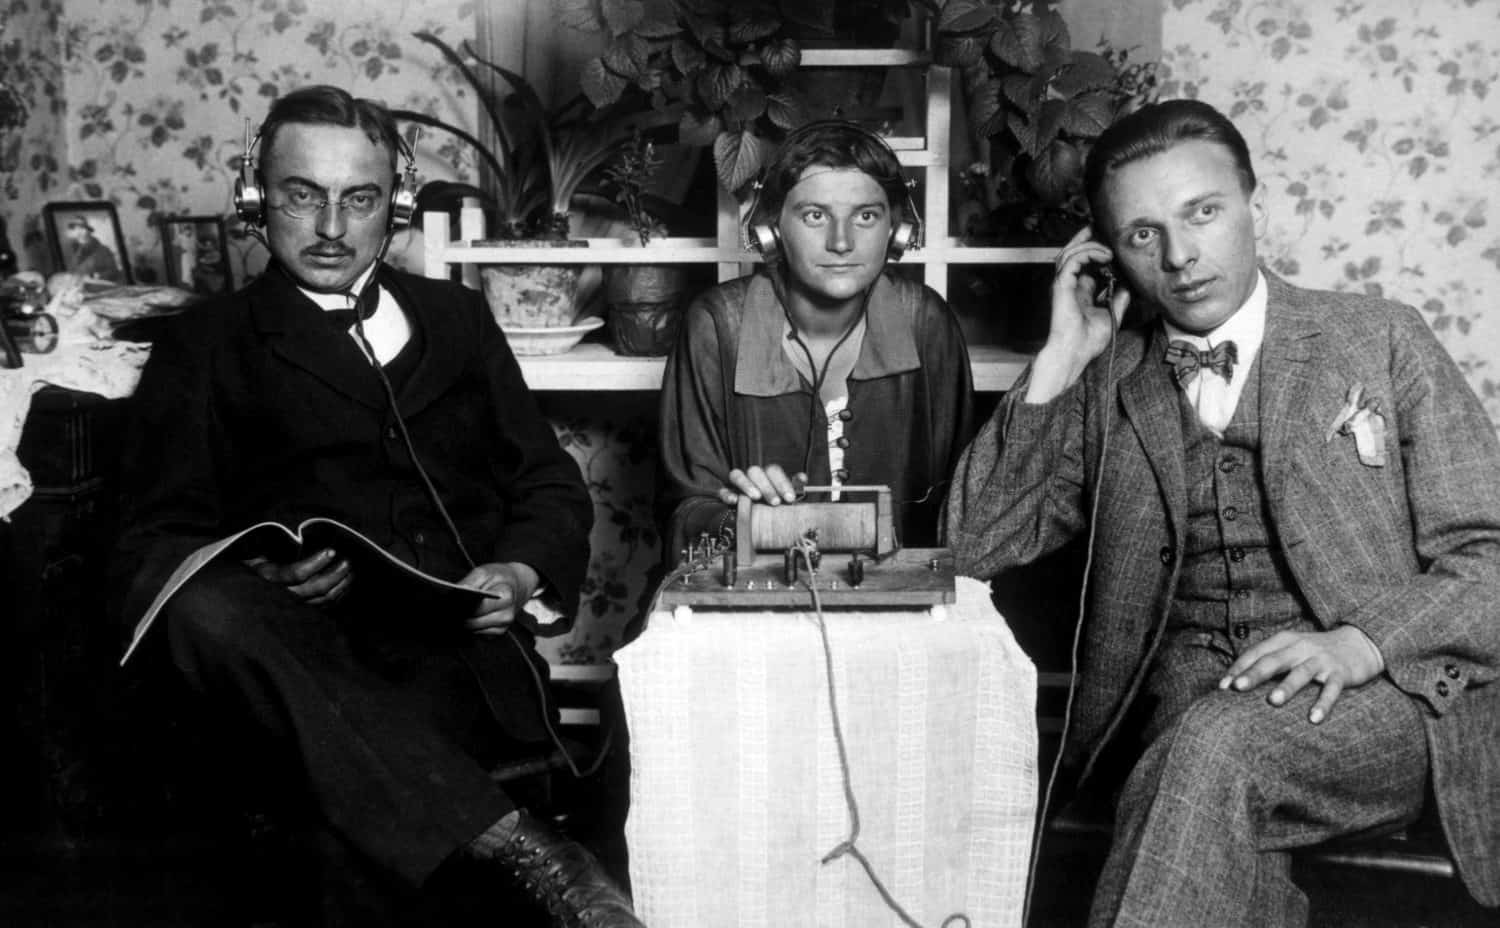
{"x": 531, "y": 296}
{"x": 645, "y": 307}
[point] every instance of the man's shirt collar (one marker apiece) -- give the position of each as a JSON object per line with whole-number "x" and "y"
{"x": 339, "y": 300}
{"x": 1246, "y": 328}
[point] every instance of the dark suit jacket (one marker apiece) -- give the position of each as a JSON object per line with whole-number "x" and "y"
{"x": 1408, "y": 552}
{"x": 254, "y": 407}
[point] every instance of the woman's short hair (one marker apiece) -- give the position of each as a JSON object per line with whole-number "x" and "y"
{"x": 1152, "y": 130}
{"x": 833, "y": 143}
{"x": 326, "y": 105}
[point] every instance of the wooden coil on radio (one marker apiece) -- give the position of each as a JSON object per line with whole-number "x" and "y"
{"x": 839, "y": 526}
{"x": 858, "y": 524}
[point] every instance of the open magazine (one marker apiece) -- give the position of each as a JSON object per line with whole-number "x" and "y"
{"x": 283, "y": 543}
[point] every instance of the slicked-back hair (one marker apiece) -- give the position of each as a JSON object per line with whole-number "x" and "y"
{"x": 1152, "y": 130}
{"x": 326, "y": 105}
{"x": 832, "y": 143}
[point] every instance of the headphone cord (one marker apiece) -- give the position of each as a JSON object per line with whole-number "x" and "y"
{"x": 411, "y": 450}
{"x": 543, "y": 691}
{"x": 819, "y": 374}
{"x": 848, "y": 845}
{"x": 1039, "y": 832}
{"x": 365, "y": 303}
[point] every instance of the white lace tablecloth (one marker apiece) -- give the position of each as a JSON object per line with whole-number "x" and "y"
{"x": 110, "y": 369}
{"x": 737, "y": 791}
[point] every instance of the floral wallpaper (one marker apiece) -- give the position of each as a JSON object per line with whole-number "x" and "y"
{"x": 32, "y": 108}
{"x": 1378, "y": 140}
{"x": 158, "y": 92}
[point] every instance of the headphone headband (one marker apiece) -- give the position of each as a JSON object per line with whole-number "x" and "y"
{"x": 250, "y": 195}
{"x": 765, "y": 236}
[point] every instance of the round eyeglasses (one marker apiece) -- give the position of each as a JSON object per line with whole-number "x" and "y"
{"x": 304, "y": 204}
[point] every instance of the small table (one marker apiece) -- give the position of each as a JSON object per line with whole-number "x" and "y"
{"x": 737, "y": 791}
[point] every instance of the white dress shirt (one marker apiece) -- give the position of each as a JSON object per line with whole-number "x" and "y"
{"x": 1209, "y": 393}
{"x": 387, "y": 328}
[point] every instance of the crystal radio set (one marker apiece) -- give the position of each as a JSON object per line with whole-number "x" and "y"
{"x": 840, "y": 538}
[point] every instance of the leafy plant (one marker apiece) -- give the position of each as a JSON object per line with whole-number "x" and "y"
{"x": 631, "y": 172}
{"x": 722, "y": 68}
{"x": 1039, "y": 104}
{"x": 541, "y": 157}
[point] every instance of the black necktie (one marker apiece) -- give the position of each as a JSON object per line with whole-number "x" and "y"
{"x": 1186, "y": 360}
{"x": 362, "y": 309}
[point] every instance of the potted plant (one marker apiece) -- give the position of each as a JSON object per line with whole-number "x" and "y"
{"x": 540, "y": 160}
{"x": 722, "y": 68}
{"x": 1035, "y": 107}
{"x": 1037, "y": 104}
{"x": 645, "y": 300}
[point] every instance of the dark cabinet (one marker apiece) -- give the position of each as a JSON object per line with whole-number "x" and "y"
{"x": 59, "y": 662}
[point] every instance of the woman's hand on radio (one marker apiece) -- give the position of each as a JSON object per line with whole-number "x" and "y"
{"x": 317, "y": 580}
{"x": 513, "y": 582}
{"x": 1081, "y": 328}
{"x": 769, "y": 484}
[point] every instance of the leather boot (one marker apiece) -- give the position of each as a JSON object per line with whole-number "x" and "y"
{"x": 561, "y": 875}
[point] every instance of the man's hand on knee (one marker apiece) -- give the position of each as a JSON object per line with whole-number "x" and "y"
{"x": 1335, "y": 660}
{"x": 316, "y": 580}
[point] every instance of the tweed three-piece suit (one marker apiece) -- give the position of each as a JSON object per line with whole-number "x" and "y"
{"x": 1407, "y": 550}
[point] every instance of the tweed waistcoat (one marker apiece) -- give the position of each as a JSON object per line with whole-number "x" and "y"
{"x": 1234, "y": 579}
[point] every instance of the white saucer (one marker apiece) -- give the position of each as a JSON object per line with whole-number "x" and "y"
{"x": 548, "y": 339}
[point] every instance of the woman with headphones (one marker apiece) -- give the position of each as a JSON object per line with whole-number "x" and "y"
{"x": 820, "y": 368}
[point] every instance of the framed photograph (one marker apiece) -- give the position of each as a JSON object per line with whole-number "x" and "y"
{"x": 197, "y": 253}
{"x": 85, "y": 238}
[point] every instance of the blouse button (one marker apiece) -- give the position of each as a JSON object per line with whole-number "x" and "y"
{"x": 846, "y": 414}
{"x": 842, "y": 442}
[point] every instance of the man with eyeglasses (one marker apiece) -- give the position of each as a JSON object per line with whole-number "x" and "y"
{"x": 334, "y": 385}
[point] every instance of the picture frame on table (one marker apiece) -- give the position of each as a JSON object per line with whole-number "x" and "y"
{"x": 10, "y": 355}
{"x": 84, "y": 238}
{"x": 196, "y": 250}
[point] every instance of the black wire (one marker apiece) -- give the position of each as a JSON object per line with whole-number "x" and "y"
{"x": 361, "y": 309}
{"x": 1039, "y": 831}
{"x": 411, "y": 450}
{"x": 815, "y": 401}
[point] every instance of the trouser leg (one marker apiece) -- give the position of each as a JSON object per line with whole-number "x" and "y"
{"x": 387, "y": 776}
{"x": 1209, "y": 813}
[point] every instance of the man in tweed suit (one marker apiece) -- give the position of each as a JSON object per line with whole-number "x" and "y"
{"x": 1293, "y": 505}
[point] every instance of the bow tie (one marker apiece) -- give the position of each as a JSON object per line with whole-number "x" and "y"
{"x": 1187, "y": 360}
{"x": 363, "y": 308}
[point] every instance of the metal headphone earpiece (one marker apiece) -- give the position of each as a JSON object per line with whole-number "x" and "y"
{"x": 250, "y": 196}
{"x": 907, "y": 235}
{"x": 765, "y": 237}
{"x": 249, "y": 201}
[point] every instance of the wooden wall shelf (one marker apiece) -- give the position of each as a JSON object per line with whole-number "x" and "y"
{"x": 593, "y": 366}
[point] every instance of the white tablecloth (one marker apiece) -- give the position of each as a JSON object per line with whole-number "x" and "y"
{"x": 110, "y": 369}
{"x": 737, "y": 791}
